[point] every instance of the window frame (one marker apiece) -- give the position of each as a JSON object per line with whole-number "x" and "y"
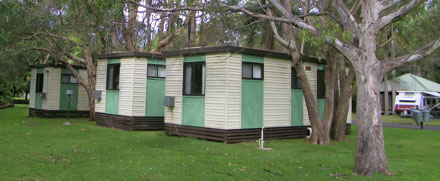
{"x": 320, "y": 92}
{"x": 157, "y": 70}
{"x": 39, "y": 86}
{"x": 192, "y": 64}
{"x": 252, "y": 71}
{"x": 70, "y": 79}
{"x": 294, "y": 80}
{"x": 118, "y": 77}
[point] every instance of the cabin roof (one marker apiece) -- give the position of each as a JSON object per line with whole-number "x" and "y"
{"x": 411, "y": 82}
{"x": 129, "y": 54}
{"x": 56, "y": 66}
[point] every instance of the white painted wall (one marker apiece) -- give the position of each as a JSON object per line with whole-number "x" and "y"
{"x": 277, "y": 92}
{"x": 173, "y": 87}
{"x": 101, "y": 78}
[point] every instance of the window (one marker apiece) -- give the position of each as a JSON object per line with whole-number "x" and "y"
{"x": 157, "y": 71}
{"x": 113, "y": 76}
{"x": 295, "y": 82}
{"x": 194, "y": 78}
{"x": 68, "y": 79}
{"x": 321, "y": 84}
{"x": 252, "y": 71}
{"x": 39, "y": 86}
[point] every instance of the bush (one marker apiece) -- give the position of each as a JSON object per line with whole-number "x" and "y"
{"x": 5, "y": 94}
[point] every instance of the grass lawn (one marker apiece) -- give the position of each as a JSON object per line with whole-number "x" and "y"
{"x": 44, "y": 149}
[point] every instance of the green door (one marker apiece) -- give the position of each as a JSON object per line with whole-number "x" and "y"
{"x": 297, "y": 107}
{"x": 155, "y": 96}
{"x": 65, "y": 100}
{"x": 252, "y": 104}
{"x": 112, "y": 101}
{"x": 193, "y": 111}
{"x": 38, "y": 101}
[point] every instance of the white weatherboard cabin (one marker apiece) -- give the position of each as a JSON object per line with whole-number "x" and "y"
{"x": 50, "y": 87}
{"x": 230, "y": 93}
{"x": 130, "y": 88}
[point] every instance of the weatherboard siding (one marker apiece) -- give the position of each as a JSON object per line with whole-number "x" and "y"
{"x": 139, "y": 86}
{"x": 126, "y": 87}
{"x": 216, "y": 91}
{"x": 277, "y": 92}
{"x": 32, "y": 88}
{"x": 101, "y": 78}
{"x": 52, "y": 83}
{"x": 173, "y": 87}
{"x": 83, "y": 102}
{"x": 233, "y": 90}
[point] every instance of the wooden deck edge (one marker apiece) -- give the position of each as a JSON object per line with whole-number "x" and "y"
{"x": 57, "y": 113}
{"x": 130, "y": 123}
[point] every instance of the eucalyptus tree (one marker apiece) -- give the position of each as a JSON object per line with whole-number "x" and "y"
{"x": 360, "y": 49}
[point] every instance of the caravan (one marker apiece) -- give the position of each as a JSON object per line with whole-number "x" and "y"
{"x": 407, "y": 100}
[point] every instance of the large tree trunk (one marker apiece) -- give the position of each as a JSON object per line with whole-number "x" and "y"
{"x": 370, "y": 154}
{"x": 128, "y": 29}
{"x": 330, "y": 76}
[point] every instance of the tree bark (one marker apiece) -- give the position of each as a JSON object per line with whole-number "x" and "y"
{"x": 370, "y": 154}
{"x": 330, "y": 76}
{"x": 342, "y": 99}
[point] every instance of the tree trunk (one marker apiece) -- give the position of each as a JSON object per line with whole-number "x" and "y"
{"x": 330, "y": 76}
{"x": 370, "y": 154}
{"x": 191, "y": 29}
{"x": 128, "y": 29}
{"x": 343, "y": 97}
{"x": 385, "y": 95}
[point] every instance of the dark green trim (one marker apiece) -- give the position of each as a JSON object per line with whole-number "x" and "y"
{"x": 114, "y": 61}
{"x": 64, "y": 99}
{"x": 194, "y": 58}
{"x": 321, "y": 107}
{"x": 297, "y": 109}
{"x": 40, "y": 70}
{"x": 112, "y": 101}
{"x": 156, "y": 61}
{"x": 252, "y": 58}
{"x": 193, "y": 111}
{"x": 155, "y": 95}
{"x": 252, "y": 99}
{"x": 66, "y": 71}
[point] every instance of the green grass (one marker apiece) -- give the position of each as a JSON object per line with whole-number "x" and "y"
{"x": 44, "y": 149}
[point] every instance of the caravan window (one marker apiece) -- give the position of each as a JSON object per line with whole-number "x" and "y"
{"x": 409, "y": 101}
{"x": 39, "y": 86}
{"x": 156, "y": 71}
{"x": 194, "y": 78}
{"x": 113, "y": 76}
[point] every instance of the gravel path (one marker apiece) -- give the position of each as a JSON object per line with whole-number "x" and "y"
{"x": 407, "y": 126}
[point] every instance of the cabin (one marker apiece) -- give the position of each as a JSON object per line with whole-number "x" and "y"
{"x": 130, "y": 88}
{"x": 55, "y": 92}
{"x": 230, "y": 93}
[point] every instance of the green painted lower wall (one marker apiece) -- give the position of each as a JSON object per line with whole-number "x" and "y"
{"x": 38, "y": 101}
{"x": 64, "y": 99}
{"x": 112, "y": 101}
{"x": 321, "y": 107}
{"x": 155, "y": 95}
{"x": 252, "y": 104}
{"x": 297, "y": 109}
{"x": 193, "y": 111}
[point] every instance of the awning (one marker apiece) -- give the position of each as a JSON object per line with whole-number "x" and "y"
{"x": 433, "y": 94}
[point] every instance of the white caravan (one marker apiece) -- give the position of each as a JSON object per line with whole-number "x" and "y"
{"x": 407, "y": 100}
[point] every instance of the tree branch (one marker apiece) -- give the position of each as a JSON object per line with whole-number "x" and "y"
{"x": 349, "y": 51}
{"x": 390, "y": 64}
{"x": 395, "y": 15}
